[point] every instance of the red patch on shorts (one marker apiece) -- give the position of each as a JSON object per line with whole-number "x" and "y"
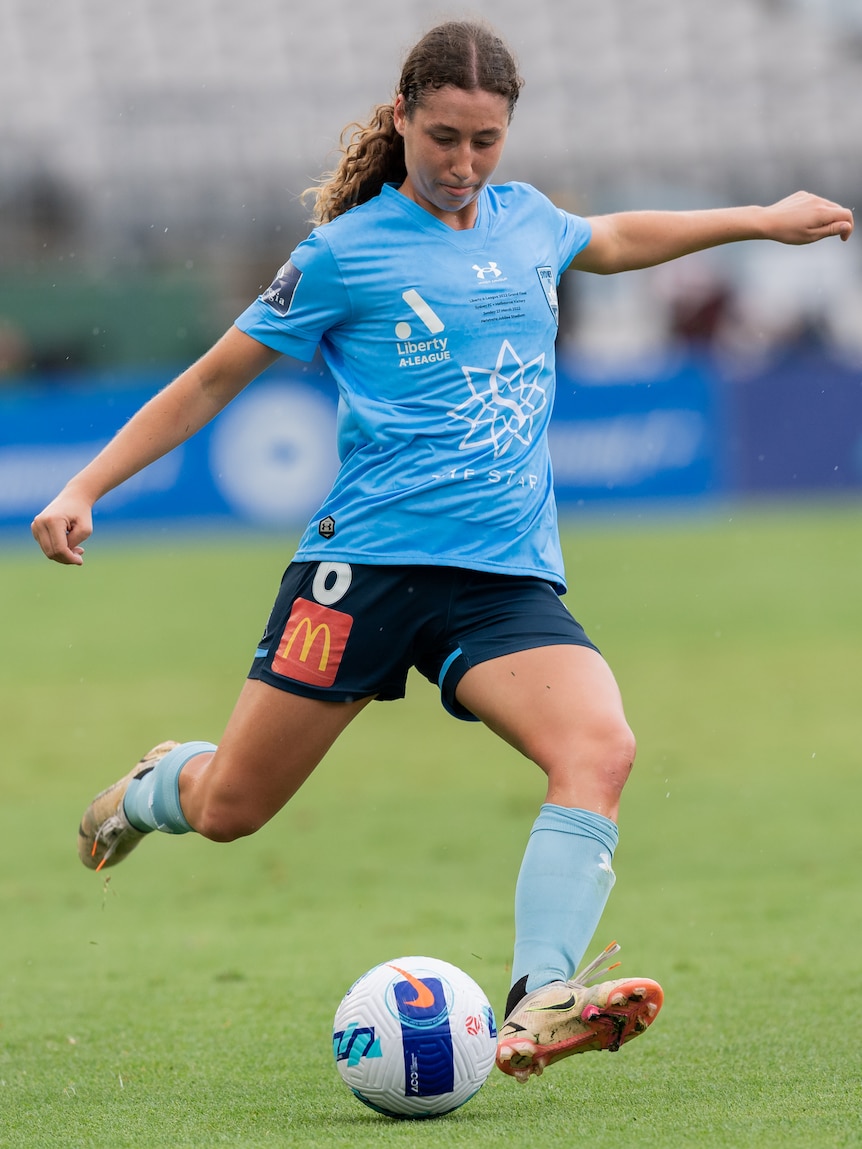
{"x": 312, "y": 643}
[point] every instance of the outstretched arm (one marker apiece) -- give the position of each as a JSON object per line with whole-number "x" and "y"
{"x": 168, "y": 419}
{"x": 629, "y": 240}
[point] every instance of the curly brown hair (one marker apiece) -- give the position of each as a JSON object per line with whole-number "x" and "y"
{"x": 460, "y": 54}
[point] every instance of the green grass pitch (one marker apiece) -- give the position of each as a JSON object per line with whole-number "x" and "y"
{"x": 186, "y": 998}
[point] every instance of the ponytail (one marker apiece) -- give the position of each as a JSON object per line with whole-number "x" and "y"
{"x": 372, "y": 154}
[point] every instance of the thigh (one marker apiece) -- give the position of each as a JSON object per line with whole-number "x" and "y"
{"x": 272, "y": 743}
{"x": 491, "y": 616}
{"x": 561, "y": 707}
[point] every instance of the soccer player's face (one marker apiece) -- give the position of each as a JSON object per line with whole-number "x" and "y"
{"x": 452, "y": 144}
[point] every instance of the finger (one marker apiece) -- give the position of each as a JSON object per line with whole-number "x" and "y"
{"x": 839, "y": 227}
{"x": 53, "y": 537}
{"x": 69, "y": 558}
{"x": 76, "y": 534}
{"x": 817, "y": 231}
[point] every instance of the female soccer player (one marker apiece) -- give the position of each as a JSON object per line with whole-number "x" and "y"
{"x": 431, "y": 294}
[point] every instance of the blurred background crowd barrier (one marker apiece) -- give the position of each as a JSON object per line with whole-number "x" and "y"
{"x": 152, "y": 160}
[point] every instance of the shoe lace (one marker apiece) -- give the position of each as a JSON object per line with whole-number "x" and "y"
{"x": 592, "y": 972}
{"x": 109, "y": 835}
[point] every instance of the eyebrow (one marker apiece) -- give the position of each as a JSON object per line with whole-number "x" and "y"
{"x": 442, "y": 127}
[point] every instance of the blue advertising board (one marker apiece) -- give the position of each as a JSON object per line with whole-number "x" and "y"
{"x": 796, "y": 426}
{"x": 653, "y": 431}
{"x": 673, "y": 429}
{"x": 267, "y": 459}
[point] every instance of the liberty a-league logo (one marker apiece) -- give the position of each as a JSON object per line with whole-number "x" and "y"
{"x": 279, "y": 294}
{"x": 549, "y": 286}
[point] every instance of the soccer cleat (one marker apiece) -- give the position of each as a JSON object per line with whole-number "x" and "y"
{"x": 105, "y": 835}
{"x": 567, "y": 1017}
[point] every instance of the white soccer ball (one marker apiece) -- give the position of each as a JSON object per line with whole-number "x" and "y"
{"x": 414, "y": 1037}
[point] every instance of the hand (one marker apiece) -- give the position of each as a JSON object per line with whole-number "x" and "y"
{"x": 805, "y": 218}
{"x": 61, "y": 528}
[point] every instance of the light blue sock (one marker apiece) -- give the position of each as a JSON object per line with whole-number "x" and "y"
{"x": 152, "y": 802}
{"x": 564, "y": 884}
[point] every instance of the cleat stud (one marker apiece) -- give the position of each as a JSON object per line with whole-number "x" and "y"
{"x": 589, "y": 1012}
{"x": 652, "y": 1008}
{"x": 617, "y": 999}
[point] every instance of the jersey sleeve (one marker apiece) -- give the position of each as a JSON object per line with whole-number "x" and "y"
{"x": 572, "y": 232}
{"x": 306, "y": 299}
{"x": 576, "y": 234}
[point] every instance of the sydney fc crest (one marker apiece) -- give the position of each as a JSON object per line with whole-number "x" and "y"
{"x": 549, "y": 286}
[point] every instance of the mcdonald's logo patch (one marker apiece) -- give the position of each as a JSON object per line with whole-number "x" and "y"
{"x": 312, "y": 644}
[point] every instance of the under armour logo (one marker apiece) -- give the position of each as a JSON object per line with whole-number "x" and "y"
{"x": 491, "y": 270}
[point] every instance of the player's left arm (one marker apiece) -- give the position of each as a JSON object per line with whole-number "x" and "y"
{"x": 625, "y": 241}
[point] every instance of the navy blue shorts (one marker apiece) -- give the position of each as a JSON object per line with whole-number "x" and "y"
{"x": 339, "y": 631}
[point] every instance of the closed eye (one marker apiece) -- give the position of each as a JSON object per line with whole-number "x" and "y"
{"x": 452, "y": 141}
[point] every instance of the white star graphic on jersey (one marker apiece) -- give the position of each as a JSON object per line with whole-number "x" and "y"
{"x": 503, "y": 402}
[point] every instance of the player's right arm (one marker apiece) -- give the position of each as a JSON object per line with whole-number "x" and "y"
{"x": 168, "y": 419}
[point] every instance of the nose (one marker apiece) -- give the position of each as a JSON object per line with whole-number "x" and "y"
{"x": 462, "y": 163}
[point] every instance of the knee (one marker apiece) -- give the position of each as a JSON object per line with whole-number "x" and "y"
{"x": 622, "y": 744}
{"x": 596, "y": 759}
{"x": 619, "y": 756}
{"x": 609, "y": 752}
{"x": 601, "y": 743}
{"x": 221, "y": 821}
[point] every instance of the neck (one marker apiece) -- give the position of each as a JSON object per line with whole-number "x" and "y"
{"x": 461, "y": 220}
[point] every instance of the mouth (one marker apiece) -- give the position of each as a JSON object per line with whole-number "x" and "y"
{"x": 457, "y": 191}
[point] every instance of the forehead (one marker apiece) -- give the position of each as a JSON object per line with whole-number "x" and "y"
{"x": 475, "y": 111}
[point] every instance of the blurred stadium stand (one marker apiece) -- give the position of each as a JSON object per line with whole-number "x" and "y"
{"x": 152, "y": 157}
{"x": 166, "y": 142}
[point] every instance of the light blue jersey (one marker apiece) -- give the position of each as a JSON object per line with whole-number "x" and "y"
{"x": 441, "y": 343}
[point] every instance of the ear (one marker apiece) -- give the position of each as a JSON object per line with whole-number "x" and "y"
{"x": 399, "y": 114}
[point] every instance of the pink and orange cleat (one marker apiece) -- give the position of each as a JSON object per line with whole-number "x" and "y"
{"x": 567, "y": 1017}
